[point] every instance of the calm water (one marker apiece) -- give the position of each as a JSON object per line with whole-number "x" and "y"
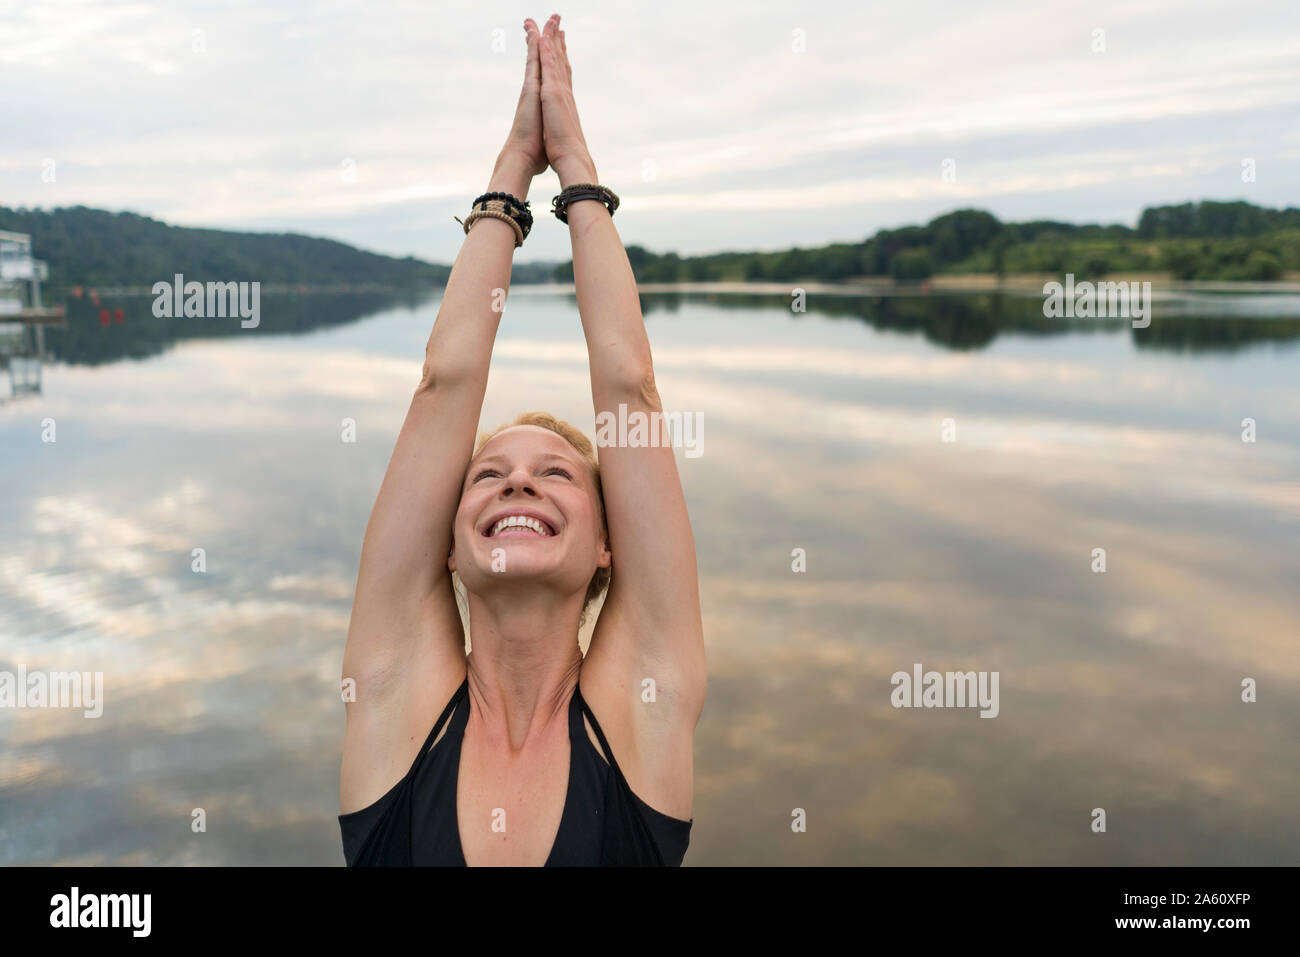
{"x": 822, "y": 431}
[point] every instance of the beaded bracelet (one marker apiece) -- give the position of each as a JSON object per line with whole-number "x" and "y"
{"x": 513, "y": 206}
{"x": 501, "y": 206}
{"x": 571, "y": 194}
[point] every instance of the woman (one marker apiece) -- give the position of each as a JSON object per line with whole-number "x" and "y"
{"x": 497, "y": 757}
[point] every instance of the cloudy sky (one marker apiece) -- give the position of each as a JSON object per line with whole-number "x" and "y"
{"x": 753, "y": 125}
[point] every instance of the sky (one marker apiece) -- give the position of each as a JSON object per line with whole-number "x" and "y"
{"x": 723, "y": 126}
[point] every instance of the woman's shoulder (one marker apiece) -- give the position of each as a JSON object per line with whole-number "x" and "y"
{"x": 635, "y": 727}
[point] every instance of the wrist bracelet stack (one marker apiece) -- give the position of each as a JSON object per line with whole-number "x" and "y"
{"x": 571, "y": 194}
{"x": 501, "y": 206}
{"x": 510, "y": 209}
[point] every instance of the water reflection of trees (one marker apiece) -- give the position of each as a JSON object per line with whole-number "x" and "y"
{"x": 133, "y": 332}
{"x": 960, "y": 322}
{"x": 967, "y": 322}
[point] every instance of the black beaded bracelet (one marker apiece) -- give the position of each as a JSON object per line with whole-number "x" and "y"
{"x": 511, "y": 206}
{"x": 571, "y": 194}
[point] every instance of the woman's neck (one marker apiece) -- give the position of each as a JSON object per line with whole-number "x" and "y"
{"x": 524, "y": 662}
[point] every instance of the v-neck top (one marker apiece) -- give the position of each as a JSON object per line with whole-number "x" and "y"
{"x": 603, "y": 822}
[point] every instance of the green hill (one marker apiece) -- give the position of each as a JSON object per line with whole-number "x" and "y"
{"x": 1206, "y": 240}
{"x": 92, "y": 247}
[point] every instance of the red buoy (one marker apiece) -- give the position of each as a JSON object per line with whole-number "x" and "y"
{"x": 103, "y": 317}
{"x": 118, "y": 315}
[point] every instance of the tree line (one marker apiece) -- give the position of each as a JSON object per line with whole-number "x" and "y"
{"x": 1205, "y": 240}
{"x": 95, "y": 247}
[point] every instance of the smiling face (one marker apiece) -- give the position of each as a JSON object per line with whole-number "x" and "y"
{"x": 529, "y": 512}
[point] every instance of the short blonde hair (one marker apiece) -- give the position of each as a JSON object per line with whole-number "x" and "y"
{"x": 582, "y": 445}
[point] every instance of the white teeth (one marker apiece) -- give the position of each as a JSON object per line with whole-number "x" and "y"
{"x": 519, "y": 521}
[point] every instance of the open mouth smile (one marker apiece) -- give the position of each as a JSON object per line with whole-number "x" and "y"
{"x": 519, "y": 525}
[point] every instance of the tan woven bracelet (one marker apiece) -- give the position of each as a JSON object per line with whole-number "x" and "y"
{"x": 494, "y": 214}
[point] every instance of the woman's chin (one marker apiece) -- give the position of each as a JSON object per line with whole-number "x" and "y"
{"x": 516, "y": 567}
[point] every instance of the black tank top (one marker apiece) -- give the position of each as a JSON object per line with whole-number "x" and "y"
{"x": 603, "y": 822}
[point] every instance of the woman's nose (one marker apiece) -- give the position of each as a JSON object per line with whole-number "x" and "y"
{"x": 519, "y": 481}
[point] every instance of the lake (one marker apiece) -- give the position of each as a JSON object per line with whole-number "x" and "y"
{"x": 947, "y": 465}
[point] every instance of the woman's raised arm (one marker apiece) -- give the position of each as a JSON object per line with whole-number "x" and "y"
{"x": 405, "y": 647}
{"x": 650, "y": 625}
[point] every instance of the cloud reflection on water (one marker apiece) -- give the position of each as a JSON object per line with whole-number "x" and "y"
{"x": 1118, "y": 690}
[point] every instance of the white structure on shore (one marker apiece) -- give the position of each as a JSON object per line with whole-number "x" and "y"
{"x": 19, "y": 305}
{"x": 18, "y": 269}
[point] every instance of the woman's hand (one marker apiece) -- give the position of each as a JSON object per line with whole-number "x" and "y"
{"x": 525, "y": 140}
{"x": 566, "y": 148}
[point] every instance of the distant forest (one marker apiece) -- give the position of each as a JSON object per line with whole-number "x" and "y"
{"x": 1205, "y": 240}
{"x": 95, "y": 247}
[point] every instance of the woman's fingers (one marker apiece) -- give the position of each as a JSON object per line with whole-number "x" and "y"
{"x": 547, "y": 56}
{"x": 555, "y": 59}
{"x": 550, "y": 30}
{"x": 556, "y": 43}
{"x": 564, "y": 55}
{"x": 533, "y": 64}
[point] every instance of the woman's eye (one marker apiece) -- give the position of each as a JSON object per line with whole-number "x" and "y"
{"x": 558, "y": 471}
{"x": 485, "y": 473}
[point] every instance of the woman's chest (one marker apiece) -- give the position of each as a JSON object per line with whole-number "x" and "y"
{"x": 510, "y": 808}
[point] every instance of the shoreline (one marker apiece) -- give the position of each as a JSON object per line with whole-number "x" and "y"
{"x": 1026, "y": 284}
{"x": 966, "y": 283}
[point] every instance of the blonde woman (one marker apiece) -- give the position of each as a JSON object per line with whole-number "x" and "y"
{"x": 525, "y": 752}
